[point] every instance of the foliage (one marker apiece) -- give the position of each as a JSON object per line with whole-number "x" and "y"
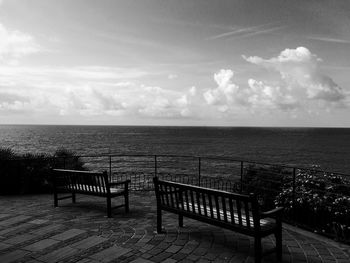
{"x": 265, "y": 181}
{"x": 6, "y": 154}
{"x": 67, "y": 159}
{"x": 30, "y": 173}
{"x": 316, "y": 200}
{"x": 320, "y": 201}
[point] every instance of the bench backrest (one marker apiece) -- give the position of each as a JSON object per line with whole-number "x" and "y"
{"x": 81, "y": 181}
{"x": 225, "y": 208}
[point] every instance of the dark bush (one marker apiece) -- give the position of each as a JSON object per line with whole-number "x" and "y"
{"x": 67, "y": 159}
{"x": 320, "y": 201}
{"x": 266, "y": 181}
{"x": 31, "y": 173}
{"x": 6, "y": 154}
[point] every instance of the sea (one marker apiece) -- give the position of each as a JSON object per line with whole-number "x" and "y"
{"x": 328, "y": 148}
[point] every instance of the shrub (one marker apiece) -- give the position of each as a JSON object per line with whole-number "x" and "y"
{"x": 6, "y": 154}
{"x": 265, "y": 181}
{"x": 67, "y": 159}
{"x": 320, "y": 201}
{"x": 30, "y": 173}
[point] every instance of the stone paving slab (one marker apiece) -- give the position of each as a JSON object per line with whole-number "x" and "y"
{"x": 4, "y": 215}
{"x": 41, "y": 245}
{"x": 13, "y": 256}
{"x": 71, "y": 233}
{"x": 13, "y": 220}
{"x": 15, "y": 229}
{"x": 89, "y": 242}
{"x": 20, "y": 239}
{"x": 32, "y": 230}
{"x": 110, "y": 254}
{"x": 59, "y": 254}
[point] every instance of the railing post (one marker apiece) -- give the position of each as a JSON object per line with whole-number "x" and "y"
{"x": 64, "y": 162}
{"x": 293, "y": 196}
{"x": 155, "y": 166}
{"x": 241, "y": 176}
{"x": 199, "y": 171}
{"x": 110, "y": 168}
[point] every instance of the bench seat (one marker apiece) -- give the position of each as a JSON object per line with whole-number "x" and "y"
{"x": 265, "y": 224}
{"x": 86, "y": 188}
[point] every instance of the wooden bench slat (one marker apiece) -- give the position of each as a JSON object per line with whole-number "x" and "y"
{"x": 246, "y": 209}
{"x": 211, "y": 206}
{"x": 204, "y": 204}
{"x": 216, "y": 198}
{"x": 172, "y": 196}
{"x": 223, "y": 200}
{"x": 264, "y": 223}
{"x": 239, "y": 207}
{"x": 192, "y": 201}
{"x": 231, "y": 210}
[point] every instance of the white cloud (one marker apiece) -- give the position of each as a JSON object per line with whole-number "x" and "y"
{"x": 271, "y": 97}
{"x": 158, "y": 102}
{"x": 248, "y": 31}
{"x": 302, "y": 87}
{"x": 15, "y": 44}
{"x": 299, "y": 71}
{"x": 226, "y": 90}
{"x": 100, "y": 91}
{"x": 172, "y": 76}
{"x": 229, "y": 97}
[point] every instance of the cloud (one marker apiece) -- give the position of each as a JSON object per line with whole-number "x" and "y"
{"x": 15, "y": 44}
{"x": 89, "y": 91}
{"x": 248, "y": 31}
{"x": 273, "y": 97}
{"x": 329, "y": 39}
{"x": 172, "y": 76}
{"x": 301, "y": 74}
{"x": 302, "y": 87}
{"x": 230, "y": 97}
{"x": 13, "y": 103}
{"x": 163, "y": 103}
{"x": 225, "y": 92}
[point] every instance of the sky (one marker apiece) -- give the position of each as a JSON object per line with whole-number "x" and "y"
{"x": 178, "y": 62}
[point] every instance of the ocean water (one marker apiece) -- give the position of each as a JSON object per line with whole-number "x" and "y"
{"x": 327, "y": 147}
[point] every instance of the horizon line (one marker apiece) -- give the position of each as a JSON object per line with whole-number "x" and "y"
{"x": 187, "y": 126}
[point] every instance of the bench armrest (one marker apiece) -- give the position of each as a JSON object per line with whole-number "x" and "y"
{"x": 274, "y": 213}
{"x": 126, "y": 182}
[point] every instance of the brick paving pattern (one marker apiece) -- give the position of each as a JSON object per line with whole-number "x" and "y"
{"x": 32, "y": 230}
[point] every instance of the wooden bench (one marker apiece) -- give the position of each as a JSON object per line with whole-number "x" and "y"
{"x": 89, "y": 183}
{"x": 232, "y": 211}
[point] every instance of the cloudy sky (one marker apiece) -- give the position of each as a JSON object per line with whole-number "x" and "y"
{"x": 179, "y": 62}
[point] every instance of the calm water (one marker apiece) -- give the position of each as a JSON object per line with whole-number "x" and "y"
{"x": 328, "y": 147}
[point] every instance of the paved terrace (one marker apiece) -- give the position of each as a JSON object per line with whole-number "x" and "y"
{"x": 32, "y": 230}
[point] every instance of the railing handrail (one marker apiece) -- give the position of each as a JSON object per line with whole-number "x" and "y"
{"x": 207, "y": 157}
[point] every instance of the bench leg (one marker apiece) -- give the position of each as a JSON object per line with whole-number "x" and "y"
{"x": 278, "y": 236}
{"x": 126, "y": 200}
{"x": 73, "y": 197}
{"x": 257, "y": 249}
{"x": 181, "y": 221}
{"x": 109, "y": 207}
{"x": 55, "y": 199}
{"x": 159, "y": 221}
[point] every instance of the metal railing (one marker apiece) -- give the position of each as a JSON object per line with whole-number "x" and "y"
{"x": 313, "y": 199}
